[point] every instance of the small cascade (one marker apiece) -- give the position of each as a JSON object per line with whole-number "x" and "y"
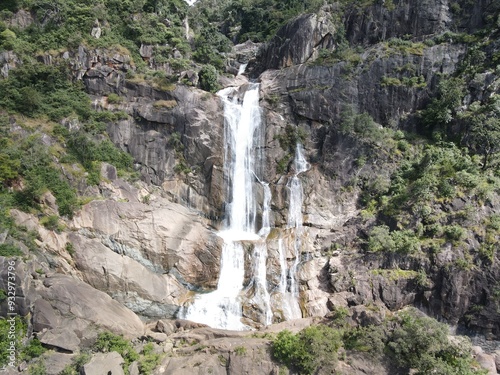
{"x": 242, "y": 68}
{"x": 290, "y": 298}
{"x": 260, "y": 254}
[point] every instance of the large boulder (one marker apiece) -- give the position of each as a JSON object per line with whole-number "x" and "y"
{"x": 82, "y": 309}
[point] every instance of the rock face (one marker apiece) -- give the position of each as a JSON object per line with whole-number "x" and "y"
{"x": 159, "y": 238}
{"x": 298, "y": 42}
{"x": 72, "y": 305}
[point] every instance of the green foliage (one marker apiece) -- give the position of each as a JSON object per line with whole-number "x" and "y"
{"x": 114, "y": 99}
{"x": 289, "y": 139}
{"x": 403, "y": 241}
{"x": 240, "y": 350}
{"x": 149, "y": 360}
{"x": 454, "y": 233}
{"x": 37, "y": 368}
{"x": 483, "y": 131}
{"x": 77, "y": 364}
{"x": 9, "y": 250}
{"x": 51, "y": 222}
{"x": 209, "y": 46}
{"x": 109, "y": 342}
{"x": 6, "y": 336}
{"x": 34, "y": 349}
{"x": 443, "y": 108}
{"x": 90, "y": 153}
{"x": 361, "y": 125}
{"x": 40, "y": 175}
{"x": 371, "y": 339}
{"x": 208, "y": 78}
{"x": 34, "y": 89}
{"x": 257, "y": 20}
{"x": 422, "y": 343}
{"x": 7, "y": 39}
{"x": 314, "y": 348}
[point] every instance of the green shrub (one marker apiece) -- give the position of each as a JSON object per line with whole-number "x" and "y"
{"x": 240, "y": 350}
{"x": 422, "y": 343}
{"x": 208, "y": 78}
{"x": 9, "y": 250}
{"x": 454, "y": 233}
{"x": 37, "y": 368}
{"x": 109, "y": 342}
{"x": 149, "y": 360}
{"x": 114, "y": 99}
{"x": 51, "y": 222}
{"x": 313, "y": 348}
{"x": 34, "y": 349}
{"x": 403, "y": 241}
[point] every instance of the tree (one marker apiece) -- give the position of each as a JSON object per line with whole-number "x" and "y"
{"x": 208, "y": 78}
{"x": 483, "y": 133}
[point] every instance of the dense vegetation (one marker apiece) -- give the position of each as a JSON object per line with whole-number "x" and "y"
{"x": 409, "y": 341}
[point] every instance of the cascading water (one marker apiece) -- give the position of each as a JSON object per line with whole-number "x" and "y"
{"x": 243, "y": 162}
{"x": 291, "y": 308}
{"x": 222, "y": 307}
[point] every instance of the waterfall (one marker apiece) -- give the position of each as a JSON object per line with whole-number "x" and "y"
{"x": 291, "y": 307}
{"x": 243, "y": 163}
{"x": 222, "y": 307}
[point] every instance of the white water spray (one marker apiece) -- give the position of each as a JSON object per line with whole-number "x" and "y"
{"x": 291, "y": 308}
{"x": 222, "y": 307}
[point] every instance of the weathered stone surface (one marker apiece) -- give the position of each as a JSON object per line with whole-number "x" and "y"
{"x": 496, "y": 355}
{"x": 44, "y": 316}
{"x": 56, "y": 362}
{"x": 157, "y": 337}
{"x": 82, "y": 307}
{"x": 297, "y": 42}
{"x": 162, "y": 237}
{"x": 104, "y": 363}
{"x": 487, "y": 362}
{"x": 60, "y": 338}
{"x": 133, "y": 369}
{"x": 164, "y": 326}
{"x": 128, "y": 281}
{"x": 21, "y": 19}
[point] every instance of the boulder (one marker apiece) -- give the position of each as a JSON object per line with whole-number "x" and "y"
{"x": 60, "y": 338}
{"x": 104, "y": 363}
{"x": 82, "y": 309}
{"x": 56, "y": 362}
{"x": 165, "y": 326}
